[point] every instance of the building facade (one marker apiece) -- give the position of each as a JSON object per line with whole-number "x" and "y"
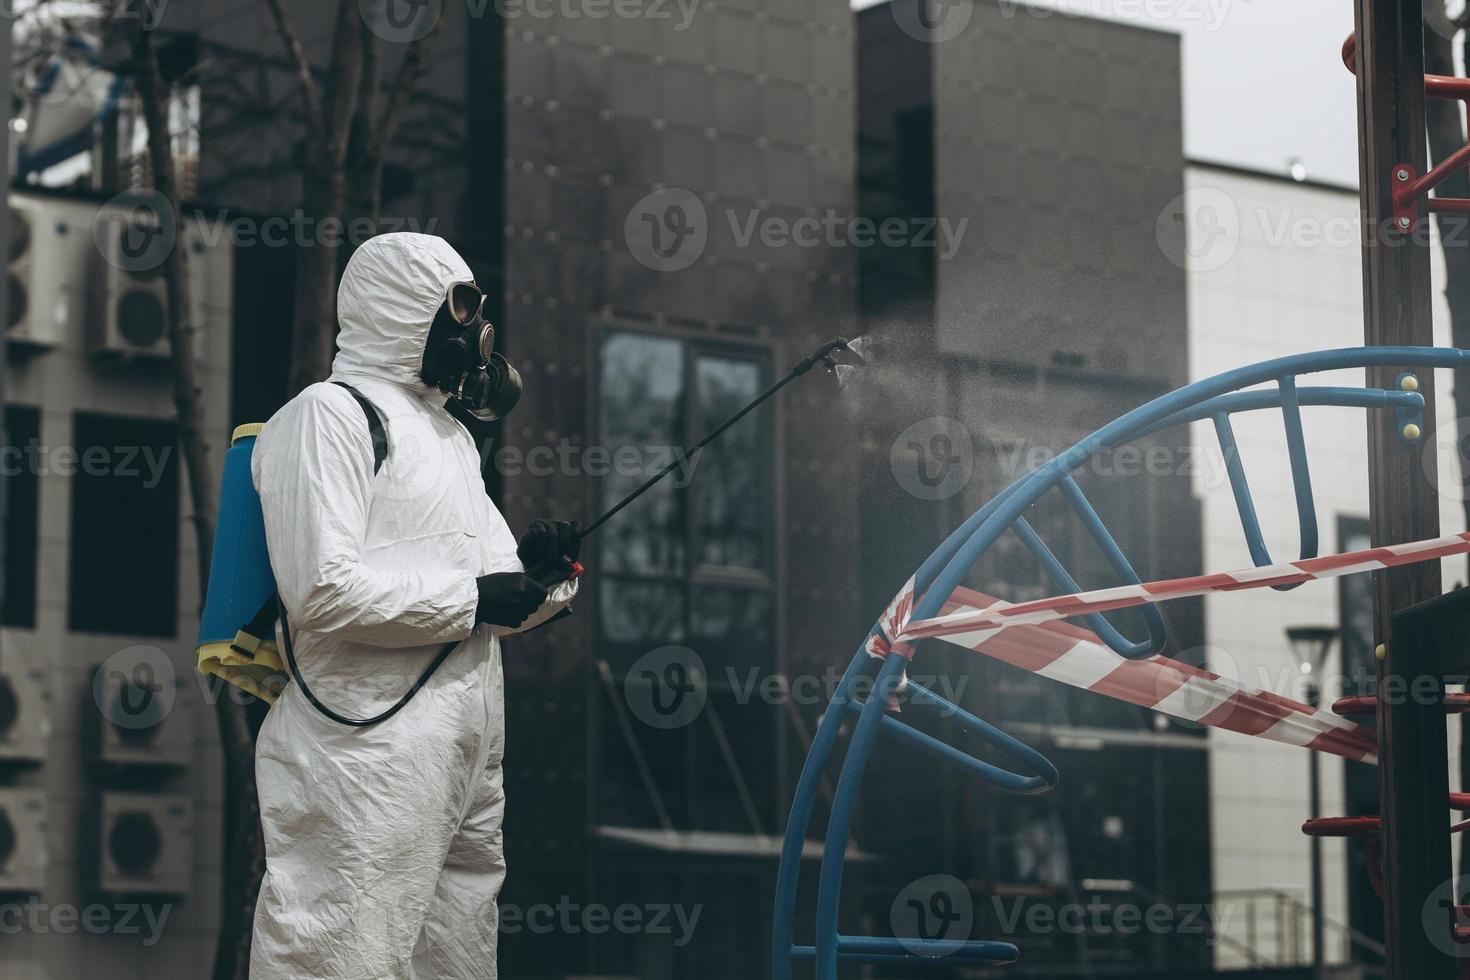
{"x": 1049, "y": 145}
{"x": 538, "y": 146}
{"x": 1285, "y": 277}
{"x": 669, "y": 211}
{"x": 110, "y": 799}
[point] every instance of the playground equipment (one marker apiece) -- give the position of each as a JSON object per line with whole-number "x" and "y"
{"x": 1101, "y": 658}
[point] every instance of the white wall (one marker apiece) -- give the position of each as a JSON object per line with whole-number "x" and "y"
{"x": 1289, "y": 281}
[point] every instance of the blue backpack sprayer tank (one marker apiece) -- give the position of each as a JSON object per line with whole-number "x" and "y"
{"x": 237, "y": 630}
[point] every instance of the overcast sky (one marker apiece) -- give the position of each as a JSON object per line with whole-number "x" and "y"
{"x": 1263, "y": 80}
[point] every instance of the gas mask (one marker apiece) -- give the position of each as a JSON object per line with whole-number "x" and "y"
{"x": 460, "y": 358}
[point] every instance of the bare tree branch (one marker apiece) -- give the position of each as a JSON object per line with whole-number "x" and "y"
{"x": 410, "y": 70}
{"x": 311, "y": 93}
{"x": 344, "y": 74}
{"x": 372, "y": 83}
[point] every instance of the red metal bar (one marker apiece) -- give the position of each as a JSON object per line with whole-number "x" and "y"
{"x": 1408, "y": 186}
{"x": 1365, "y": 706}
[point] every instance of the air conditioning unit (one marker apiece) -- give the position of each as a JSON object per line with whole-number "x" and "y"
{"x": 48, "y": 257}
{"x": 129, "y": 316}
{"x": 139, "y": 721}
{"x": 23, "y": 853}
{"x": 146, "y": 844}
{"x": 25, "y": 713}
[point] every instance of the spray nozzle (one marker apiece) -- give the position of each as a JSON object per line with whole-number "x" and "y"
{"x": 832, "y": 355}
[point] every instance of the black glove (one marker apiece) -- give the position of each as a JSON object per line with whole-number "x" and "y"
{"x": 508, "y": 598}
{"x": 546, "y": 543}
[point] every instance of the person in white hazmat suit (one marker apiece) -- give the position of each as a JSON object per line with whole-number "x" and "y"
{"x": 383, "y": 843}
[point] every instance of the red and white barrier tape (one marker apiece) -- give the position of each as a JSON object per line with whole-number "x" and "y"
{"x": 1030, "y": 635}
{"x": 1077, "y": 657}
{"x": 997, "y": 614}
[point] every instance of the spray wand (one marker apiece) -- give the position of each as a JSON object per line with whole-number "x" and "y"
{"x": 565, "y": 568}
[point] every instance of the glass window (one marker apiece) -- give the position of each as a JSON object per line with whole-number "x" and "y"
{"x": 689, "y": 561}
{"x": 730, "y": 492}
{"x": 22, "y": 513}
{"x": 688, "y": 564}
{"x": 124, "y": 550}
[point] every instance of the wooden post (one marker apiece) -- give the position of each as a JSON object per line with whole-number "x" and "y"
{"x": 1403, "y": 503}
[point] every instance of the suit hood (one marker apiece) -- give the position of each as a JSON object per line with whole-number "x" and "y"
{"x": 389, "y": 294}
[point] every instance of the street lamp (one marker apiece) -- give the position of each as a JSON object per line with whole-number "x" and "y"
{"x": 1310, "y": 644}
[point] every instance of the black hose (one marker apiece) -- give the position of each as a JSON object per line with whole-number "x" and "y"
{"x": 439, "y": 659}
{"x": 802, "y": 367}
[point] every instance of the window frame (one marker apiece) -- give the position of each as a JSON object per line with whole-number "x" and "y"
{"x": 695, "y": 573}
{"x": 18, "y": 610}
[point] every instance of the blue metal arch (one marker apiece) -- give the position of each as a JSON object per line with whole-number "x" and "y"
{"x": 1215, "y": 399}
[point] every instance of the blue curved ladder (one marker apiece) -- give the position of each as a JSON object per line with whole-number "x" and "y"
{"x": 1215, "y": 399}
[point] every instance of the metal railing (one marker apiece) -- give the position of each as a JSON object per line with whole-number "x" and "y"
{"x": 1277, "y": 930}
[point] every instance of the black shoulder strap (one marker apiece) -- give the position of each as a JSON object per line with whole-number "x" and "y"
{"x": 262, "y": 624}
{"x": 375, "y": 425}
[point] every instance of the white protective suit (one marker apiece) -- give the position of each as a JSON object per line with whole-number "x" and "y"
{"x": 384, "y": 838}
